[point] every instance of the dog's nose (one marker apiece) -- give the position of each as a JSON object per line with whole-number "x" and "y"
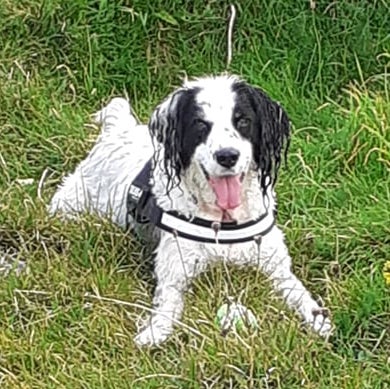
{"x": 227, "y": 157}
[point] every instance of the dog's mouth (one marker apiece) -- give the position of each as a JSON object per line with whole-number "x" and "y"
{"x": 227, "y": 189}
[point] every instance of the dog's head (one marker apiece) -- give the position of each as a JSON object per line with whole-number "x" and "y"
{"x": 227, "y": 128}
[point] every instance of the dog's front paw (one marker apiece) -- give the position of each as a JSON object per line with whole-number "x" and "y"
{"x": 321, "y": 323}
{"x": 152, "y": 336}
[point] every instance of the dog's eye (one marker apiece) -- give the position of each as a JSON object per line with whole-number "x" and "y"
{"x": 201, "y": 125}
{"x": 243, "y": 122}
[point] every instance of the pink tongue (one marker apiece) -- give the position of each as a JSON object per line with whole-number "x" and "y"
{"x": 227, "y": 190}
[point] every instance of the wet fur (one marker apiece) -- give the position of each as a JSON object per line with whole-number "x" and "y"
{"x": 184, "y": 133}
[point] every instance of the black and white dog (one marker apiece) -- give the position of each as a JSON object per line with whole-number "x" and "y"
{"x": 214, "y": 147}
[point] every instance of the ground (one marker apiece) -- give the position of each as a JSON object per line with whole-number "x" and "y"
{"x": 68, "y": 317}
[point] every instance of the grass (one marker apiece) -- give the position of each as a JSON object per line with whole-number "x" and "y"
{"x": 69, "y": 319}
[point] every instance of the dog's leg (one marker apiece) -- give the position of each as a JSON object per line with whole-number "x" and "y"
{"x": 275, "y": 262}
{"x": 174, "y": 269}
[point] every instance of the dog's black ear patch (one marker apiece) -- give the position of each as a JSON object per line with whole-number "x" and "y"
{"x": 173, "y": 125}
{"x": 269, "y": 133}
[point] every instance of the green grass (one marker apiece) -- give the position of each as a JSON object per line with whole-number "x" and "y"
{"x": 61, "y": 60}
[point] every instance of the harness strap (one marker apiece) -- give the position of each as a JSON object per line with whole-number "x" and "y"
{"x": 143, "y": 208}
{"x": 139, "y": 195}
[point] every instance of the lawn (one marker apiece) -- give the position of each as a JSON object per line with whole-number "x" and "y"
{"x": 68, "y": 317}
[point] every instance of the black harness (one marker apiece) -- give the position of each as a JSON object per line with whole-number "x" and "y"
{"x": 142, "y": 208}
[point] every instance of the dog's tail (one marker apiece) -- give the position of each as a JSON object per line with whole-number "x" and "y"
{"x": 115, "y": 115}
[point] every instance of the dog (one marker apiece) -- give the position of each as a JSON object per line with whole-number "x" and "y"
{"x": 214, "y": 147}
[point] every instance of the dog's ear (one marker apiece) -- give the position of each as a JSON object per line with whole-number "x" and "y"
{"x": 166, "y": 130}
{"x": 163, "y": 120}
{"x": 271, "y": 136}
